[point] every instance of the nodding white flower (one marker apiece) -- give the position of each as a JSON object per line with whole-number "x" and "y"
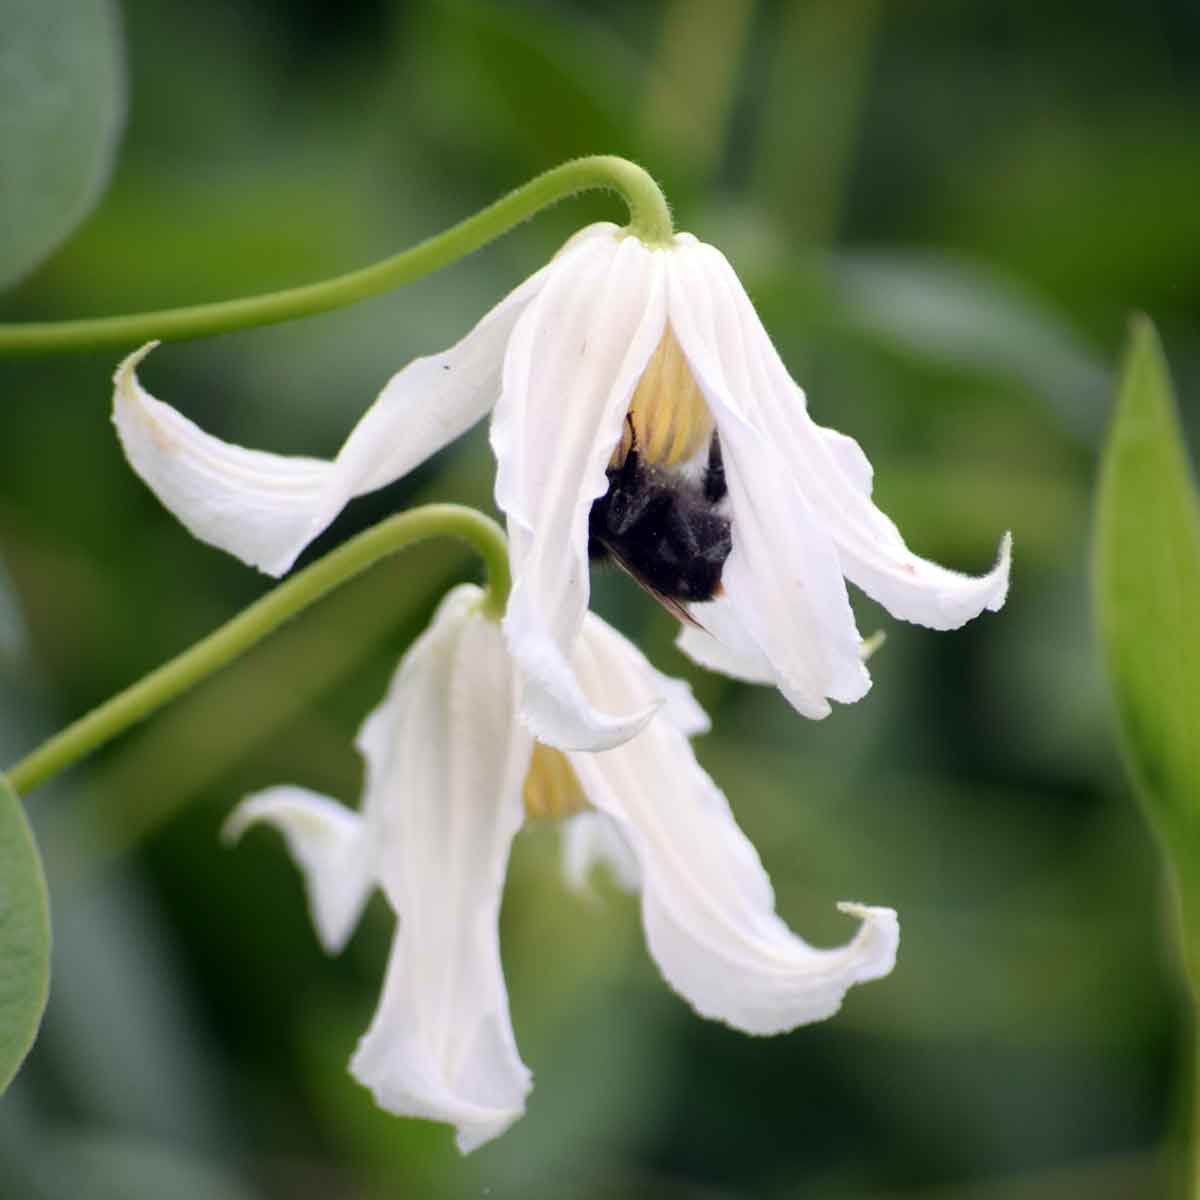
{"x": 451, "y": 773}
{"x": 615, "y": 345}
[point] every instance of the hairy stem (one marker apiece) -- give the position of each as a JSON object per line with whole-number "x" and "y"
{"x": 649, "y": 219}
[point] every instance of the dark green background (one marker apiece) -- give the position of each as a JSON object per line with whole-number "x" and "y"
{"x": 944, "y": 212}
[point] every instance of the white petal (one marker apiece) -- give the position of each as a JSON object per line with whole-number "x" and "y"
{"x": 680, "y": 706}
{"x": 265, "y": 508}
{"x": 433, "y": 400}
{"x": 783, "y": 578}
{"x": 590, "y": 839}
{"x": 855, "y": 465}
{"x": 553, "y": 705}
{"x": 244, "y": 501}
{"x": 707, "y": 904}
{"x": 330, "y": 846}
{"x": 572, "y": 364}
{"x": 441, "y": 1044}
{"x": 834, "y": 476}
{"x": 720, "y": 643}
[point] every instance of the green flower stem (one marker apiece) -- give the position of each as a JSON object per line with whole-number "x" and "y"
{"x": 649, "y": 219}
{"x": 254, "y": 623}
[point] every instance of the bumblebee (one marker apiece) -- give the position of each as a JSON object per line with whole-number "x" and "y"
{"x": 664, "y": 528}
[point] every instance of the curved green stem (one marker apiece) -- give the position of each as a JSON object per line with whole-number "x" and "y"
{"x": 254, "y": 623}
{"x": 649, "y": 219}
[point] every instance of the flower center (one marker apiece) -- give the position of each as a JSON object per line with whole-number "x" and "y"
{"x": 551, "y": 790}
{"x": 670, "y": 421}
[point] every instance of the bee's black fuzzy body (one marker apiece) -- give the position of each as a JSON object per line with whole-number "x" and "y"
{"x": 664, "y": 529}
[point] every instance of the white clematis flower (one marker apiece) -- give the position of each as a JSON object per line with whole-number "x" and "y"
{"x": 451, "y": 773}
{"x": 612, "y": 326}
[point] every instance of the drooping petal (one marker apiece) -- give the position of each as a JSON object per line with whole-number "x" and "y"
{"x": 590, "y": 839}
{"x": 719, "y": 642}
{"x": 253, "y": 504}
{"x": 265, "y": 508}
{"x": 783, "y": 578}
{"x": 834, "y": 476}
{"x": 441, "y": 1044}
{"x": 329, "y": 844}
{"x": 334, "y": 847}
{"x": 573, "y": 361}
{"x": 707, "y": 903}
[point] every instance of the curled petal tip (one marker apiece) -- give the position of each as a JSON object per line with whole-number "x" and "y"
{"x": 327, "y": 843}
{"x": 130, "y": 362}
{"x": 254, "y": 505}
{"x": 1000, "y": 572}
{"x": 925, "y": 593}
{"x": 554, "y": 706}
{"x": 877, "y": 940}
{"x": 565, "y": 728}
{"x": 236, "y": 824}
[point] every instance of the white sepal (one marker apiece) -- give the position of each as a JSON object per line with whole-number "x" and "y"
{"x": 331, "y": 847}
{"x": 575, "y": 356}
{"x": 265, "y": 508}
{"x": 441, "y": 1044}
{"x": 719, "y": 642}
{"x": 707, "y": 904}
{"x": 834, "y": 476}
{"x": 254, "y": 505}
{"x": 783, "y": 577}
{"x": 589, "y": 840}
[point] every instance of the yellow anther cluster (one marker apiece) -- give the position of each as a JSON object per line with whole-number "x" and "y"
{"x": 551, "y": 789}
{"x": 670, "y": 419}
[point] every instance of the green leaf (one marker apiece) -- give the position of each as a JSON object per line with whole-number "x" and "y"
{"x": 971, "y": 317}
{"x": 12, "y": 626}
{"x": 127, "y": 1168}
{"x": 1147, "y": 597}
{"x": 62, "y": 105}
{"x": 24, "y": 936}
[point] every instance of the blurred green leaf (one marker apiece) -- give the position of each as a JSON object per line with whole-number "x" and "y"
{"x": 62, "y": 104}
{"x": 1147, "y": 597}
{"x": 120, "y": 1036}
{"x": 41, "y": 1159}
{"x": 123, "y": 1168}
{"x": 691, "y": 86}
{"x": 530, "y": 83}
{"x": 24, "y": 936}
{"x": 967, "y": 316}
{"x": 815, "y": 85}
{"x": 12, "y": 626}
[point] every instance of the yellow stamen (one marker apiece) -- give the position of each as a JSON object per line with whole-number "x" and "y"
{"x": 552, "y": 790}
{"x": 670, "y": 419}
